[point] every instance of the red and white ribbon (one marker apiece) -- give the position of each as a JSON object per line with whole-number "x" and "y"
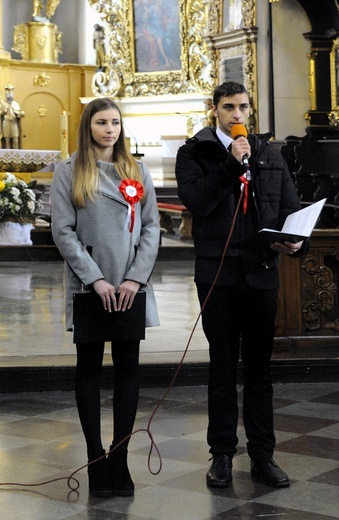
{"x": 132, "y": 191}
{"x": 245, "y": 180}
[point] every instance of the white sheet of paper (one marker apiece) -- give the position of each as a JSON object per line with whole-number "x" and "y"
{"x": 303, "y": 221}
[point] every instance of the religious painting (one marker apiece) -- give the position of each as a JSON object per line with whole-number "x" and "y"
{"x": 155, "y": 47}
{"x": 157, "y": 40}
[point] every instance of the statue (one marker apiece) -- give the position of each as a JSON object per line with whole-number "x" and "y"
{"x": 333, "y": 118}
{"x": 99, "y": 46}
{"x": 11, "y": 114}
{"x": 50, "y": 7}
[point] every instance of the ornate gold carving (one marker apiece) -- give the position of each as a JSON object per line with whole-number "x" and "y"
{"x": 312, "y": 80}
{"x": 210, "y": 119}
{"x": 41, "y": 40}
{"x": 42, "y": 110}
{"x": 37, "y": 41}
{"x": 238, "y": 43}
{"x": 334, "y": 61}
{"x": 203, "y": 119}
{"x": 245, "y": 49}
{"x": 248, "y": 10}
{"x": 57, "y": 45}
{"x": 20, "y": 38}
{"x": 193, "y": 120}
{"x": 43, "y": 80}
{"x": 333, "y": 118}
{"x": 120, "y": 77}
{"x": 215, "y": 17}
{"x": 50, "y": 7}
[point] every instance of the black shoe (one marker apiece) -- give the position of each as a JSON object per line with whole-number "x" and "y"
{"x": 98, "y": 477}
{"x": 121, "y": 481}
{"x": 269, "y": 472}
{"x": 220, "y": 472}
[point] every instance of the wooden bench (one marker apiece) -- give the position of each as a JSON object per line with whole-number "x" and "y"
{"x": 166, "y": 213}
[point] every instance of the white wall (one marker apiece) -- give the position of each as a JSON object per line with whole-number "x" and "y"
{"x": 157, "y": 124}
{"x": 291, "y": 67}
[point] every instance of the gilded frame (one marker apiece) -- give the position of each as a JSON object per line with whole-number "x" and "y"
{"x": 120, "y": 77}
{"x": 334, "y": 60}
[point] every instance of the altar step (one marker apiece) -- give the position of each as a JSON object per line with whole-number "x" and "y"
{"x": 60, "y": 376}
{"x": 44, "y": 249}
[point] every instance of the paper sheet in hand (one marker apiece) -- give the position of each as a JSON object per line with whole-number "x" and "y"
{"x": 297, "y": 227}
{"x": 92, "y": 323}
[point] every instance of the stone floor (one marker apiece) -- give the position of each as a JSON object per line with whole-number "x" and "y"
{"x": 42, "y": 446}
{"x": 41, "y": 443}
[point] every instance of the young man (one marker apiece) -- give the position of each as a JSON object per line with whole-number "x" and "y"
{"x": 237, "y": 289}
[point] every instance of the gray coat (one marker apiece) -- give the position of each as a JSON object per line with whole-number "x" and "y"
{"x": 95, "y": 241}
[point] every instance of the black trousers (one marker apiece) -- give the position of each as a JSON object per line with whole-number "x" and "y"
{"x": 125, "y": 357}
{"x": 232, "y": 317}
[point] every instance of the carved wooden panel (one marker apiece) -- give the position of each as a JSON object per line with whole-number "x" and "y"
{"x": 309, "y": 295}
{"x": 319, "y": 284}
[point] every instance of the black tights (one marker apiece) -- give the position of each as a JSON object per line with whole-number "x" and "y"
{"x": 125, "y": 357}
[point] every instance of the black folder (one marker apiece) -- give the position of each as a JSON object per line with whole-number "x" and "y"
{"x": 266, "y": 237}
{"x": 298, "y": 226}
{"x": 92, "y": 323}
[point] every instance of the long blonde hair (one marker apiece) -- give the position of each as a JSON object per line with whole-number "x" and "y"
{"x": 85, "y": 175}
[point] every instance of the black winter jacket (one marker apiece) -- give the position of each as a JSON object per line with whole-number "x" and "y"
{"x": 209, "y": 186}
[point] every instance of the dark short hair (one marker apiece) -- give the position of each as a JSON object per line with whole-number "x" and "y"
{"x": 230, "y": 88}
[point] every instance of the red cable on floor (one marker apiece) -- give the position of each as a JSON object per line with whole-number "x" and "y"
{"x": 71, "y": 477}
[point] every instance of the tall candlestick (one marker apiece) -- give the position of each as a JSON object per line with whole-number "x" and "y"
{"x": 64, "y": 135}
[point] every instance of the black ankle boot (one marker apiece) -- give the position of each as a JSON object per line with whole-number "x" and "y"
{"x": 98, "y": 477}
{"x": 121, "y": 481}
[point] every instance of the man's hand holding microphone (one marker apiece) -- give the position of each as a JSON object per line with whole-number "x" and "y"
{"x": 241, "y": 149}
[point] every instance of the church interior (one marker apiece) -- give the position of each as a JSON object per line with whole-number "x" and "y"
{"x": 56, "y": 56}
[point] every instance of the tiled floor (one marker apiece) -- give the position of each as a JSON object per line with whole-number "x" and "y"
{"x": 41, "y": 440}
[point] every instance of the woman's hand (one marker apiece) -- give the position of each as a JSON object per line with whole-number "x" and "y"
{"x": 127, "y": 292}
{"x": 106, "y": 291}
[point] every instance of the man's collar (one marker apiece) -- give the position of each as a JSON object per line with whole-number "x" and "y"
{"x": 225, "y": 139}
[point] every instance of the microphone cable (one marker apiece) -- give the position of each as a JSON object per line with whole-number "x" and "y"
{"x": 72, "y": 482}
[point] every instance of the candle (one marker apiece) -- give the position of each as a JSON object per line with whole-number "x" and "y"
{"x": 64, "y": 135}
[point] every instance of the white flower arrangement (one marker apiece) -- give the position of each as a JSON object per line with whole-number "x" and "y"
{"x": 18, "y": 201}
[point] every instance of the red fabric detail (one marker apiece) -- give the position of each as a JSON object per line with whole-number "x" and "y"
{"x": 132, "y": 191}
{"x": 245, "y": 201}
{"x": 164, "y": 205}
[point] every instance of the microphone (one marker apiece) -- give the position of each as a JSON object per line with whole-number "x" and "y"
{"x": 239, "y": 130}
{"x": 137, "y": 153}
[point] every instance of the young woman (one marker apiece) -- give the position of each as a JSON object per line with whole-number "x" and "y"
{"x": 105, "y": 224}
